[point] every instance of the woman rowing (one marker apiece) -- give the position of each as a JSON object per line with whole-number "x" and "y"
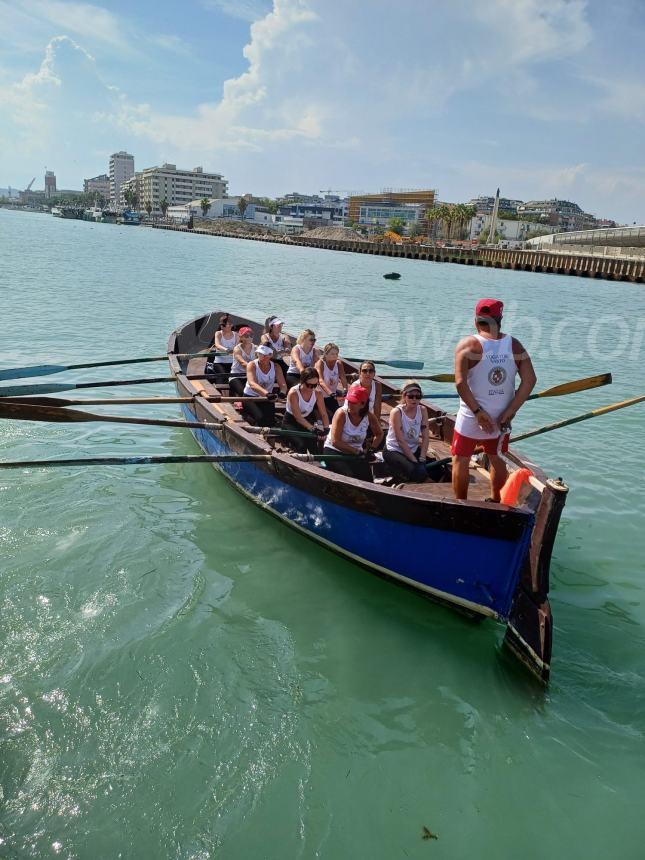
{"x": 218, "y": 364}
{"x": 333, "y": 381}
{"x": 303, "y": 355}
{"x": 243, "y": 355}
{"x": 279, "y": 343}
{"x": 348, "y": 435}
{"x": 366, "y": 374}
{"x": 262, "y": 375}
{"x": 303, "y": 401}
{"x": 407, "y": 437}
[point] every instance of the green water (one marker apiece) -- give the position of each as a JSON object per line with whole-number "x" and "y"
{"x": 182, "y": 676}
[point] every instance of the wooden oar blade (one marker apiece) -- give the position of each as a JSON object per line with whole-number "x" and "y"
{"x": 21, "y": 411}
{"x": 36, "y": 370}
{"x": 27, "y": 390}
{"x": 577, "y": 385}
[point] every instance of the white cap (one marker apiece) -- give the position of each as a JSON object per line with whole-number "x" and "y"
{"x": 263, "y": 349}
{"x": 276, "y": 321}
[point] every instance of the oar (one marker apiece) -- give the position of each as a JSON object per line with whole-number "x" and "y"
{"x": 567, "y": 421}
{"x": 56, "y": 387}
{"x": 49, "y": 369}
{"x": 438, "y": 377}
{"x": 169, "y": 458}
{"x": 122, "y": 401}
{"x": 391, "y": 362}
{"x": 24, "y": 412}
{"x": 556, "y": 391}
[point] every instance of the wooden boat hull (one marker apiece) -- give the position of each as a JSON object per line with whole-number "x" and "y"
{"x": 485, "y": 560}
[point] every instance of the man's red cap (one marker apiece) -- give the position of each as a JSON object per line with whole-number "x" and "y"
{"x": 489, "y": 308}
{"x": 246, "y": 329}
{"x": 358, "y": 394}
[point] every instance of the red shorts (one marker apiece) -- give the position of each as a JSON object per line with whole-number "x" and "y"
{"x": 464, "y": 446}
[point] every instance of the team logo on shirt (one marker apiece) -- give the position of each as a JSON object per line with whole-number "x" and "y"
{"x": 411, "y": 434}
{"x": 497, "y": 376}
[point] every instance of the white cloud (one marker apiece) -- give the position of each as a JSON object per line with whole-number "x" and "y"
{"x": 82, "y": 19}
{"x": 247, "y": 10}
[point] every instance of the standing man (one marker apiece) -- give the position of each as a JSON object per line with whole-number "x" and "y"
{"x": 485, "y": 367}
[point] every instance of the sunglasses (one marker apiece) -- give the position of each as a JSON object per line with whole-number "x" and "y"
{"x": 311, "y": 384}
{"x": 367, "y": 370}
{"x": 413, "y": 396}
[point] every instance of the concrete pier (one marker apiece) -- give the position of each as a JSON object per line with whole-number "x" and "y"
{"x": 580, "y": 265}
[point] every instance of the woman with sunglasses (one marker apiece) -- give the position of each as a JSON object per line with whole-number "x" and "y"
{"x": 407, "y": 437}
{"x": 333, "y": 381}
{"x": 366, "y": 374}
{"x": 348, "y": 435}
{"x": 243, "y": 354}
{"x": 303, "y": 355}
{"x": 302, "y": 400}
{"x": 218, "y": 364}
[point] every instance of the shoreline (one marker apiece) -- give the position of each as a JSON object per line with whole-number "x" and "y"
{"x": 625, "y": 269}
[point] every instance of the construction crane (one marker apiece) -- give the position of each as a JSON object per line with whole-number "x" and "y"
{"x": 28, "y": 188}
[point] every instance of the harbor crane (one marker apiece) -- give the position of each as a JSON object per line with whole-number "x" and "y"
{"x": 28, "y": 188}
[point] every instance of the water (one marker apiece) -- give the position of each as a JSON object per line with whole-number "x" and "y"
{"x": 182, "y": 676}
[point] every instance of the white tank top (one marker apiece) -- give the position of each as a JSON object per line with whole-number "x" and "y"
{"x": 238, "y": 369}
{"x": 266, "y": 380}
{"x": 306, "y": 406}
{"x": 411, "y": 428}
{"x": 278, "y": 344}
{"x": 372, "y": 392}
{"x": 353, "y": 434}
{"x": 331, "y": 377}
{"x": 492, "y": 382}
{"x": 307, "y": 359}
{"x": 226, "y": 343}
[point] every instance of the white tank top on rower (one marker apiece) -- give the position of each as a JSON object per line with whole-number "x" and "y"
{"x": 277, "y": 345}
{"x": 226, "y": 343}
{"x": 307, "y": 359}
{"x": 492, "y": 382}
{"x": 306, "y": 406}
{"x": 353, "y": 434}
{"x": 331, "y": 377}
{"x": 266, "y": 380}
{"x": 236, "y": 368}
{"x": 372, "y": 392}
{"x": 411, "y": 428}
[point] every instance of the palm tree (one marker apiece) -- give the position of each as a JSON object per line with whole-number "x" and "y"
{"x": 396, "y": 225}
{"x": 127, "y": 196}
{"x": 148, "y": 207}
{"x": 163, "y": 205}
{"x": 205, "y": 204}
{"x": 242, "y": 204}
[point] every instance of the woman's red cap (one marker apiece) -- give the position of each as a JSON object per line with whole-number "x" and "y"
{"x": 246, "y": 329}
{"x": 358, "y": 394}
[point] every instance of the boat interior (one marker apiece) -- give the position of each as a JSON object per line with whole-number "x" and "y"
{"x": 441, "y": 426}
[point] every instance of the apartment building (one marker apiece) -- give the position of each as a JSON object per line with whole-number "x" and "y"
{"x": 98, "y": 185}
{"x": 178, "y": 187}
{"x": 121, "y": 169}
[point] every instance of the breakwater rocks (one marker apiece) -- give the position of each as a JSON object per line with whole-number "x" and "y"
{"x": 579, "y": 265}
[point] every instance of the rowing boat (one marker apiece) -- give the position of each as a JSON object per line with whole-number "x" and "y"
{"x": 484, "y": 559}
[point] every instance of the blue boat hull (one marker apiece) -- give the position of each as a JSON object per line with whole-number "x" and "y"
{"x": 475, "y": 572}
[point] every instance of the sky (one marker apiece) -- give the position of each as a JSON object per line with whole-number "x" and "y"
{"x": 543, "y": 98}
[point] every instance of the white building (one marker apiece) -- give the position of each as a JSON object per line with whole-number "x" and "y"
{"x": 179, "y": 187}
{"x": 511, "y": 232}
{"x": 121, "y": 169}
{"x": 226, "y": 207}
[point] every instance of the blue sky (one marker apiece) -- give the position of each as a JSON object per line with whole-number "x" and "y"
{"x": 541, "y": 97}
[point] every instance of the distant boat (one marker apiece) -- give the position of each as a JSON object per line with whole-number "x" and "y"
{"x": 93, "y": 214}
{"x": 129, "y": 216}
{"x": 392, "y": 276}
{"x": 57, "y": 212}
